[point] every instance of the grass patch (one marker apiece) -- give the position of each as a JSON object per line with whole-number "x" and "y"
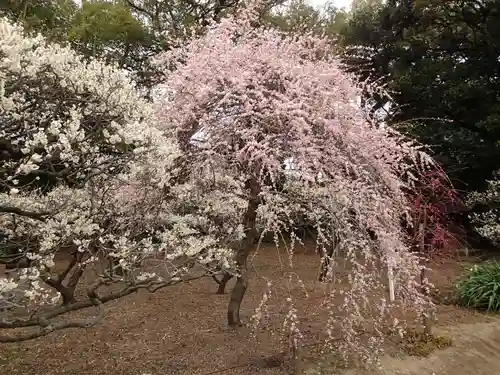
{"x": 479, "y": 287}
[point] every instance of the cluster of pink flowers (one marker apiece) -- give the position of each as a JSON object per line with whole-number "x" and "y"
{"x": 258, "y": 101}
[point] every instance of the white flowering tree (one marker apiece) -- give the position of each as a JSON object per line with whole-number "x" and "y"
{"x": 260, "y": 99}
{"x": 87, "y": 183}
{"x": 86, "y": 172}
{"x": 485, "y": 207}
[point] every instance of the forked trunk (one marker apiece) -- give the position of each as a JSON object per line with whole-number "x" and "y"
{"x": 240, "y": 287}
{"x": 223, "y": 282}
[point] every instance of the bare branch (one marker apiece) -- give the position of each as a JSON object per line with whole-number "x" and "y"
{"x": 47, "y": 327}
{"x": 31, "y": 214}
{"x": 42, "y": 320}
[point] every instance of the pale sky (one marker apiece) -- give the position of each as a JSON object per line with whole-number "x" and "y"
{"x": 339, "y": 3}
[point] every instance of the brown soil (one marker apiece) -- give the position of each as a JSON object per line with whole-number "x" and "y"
{"x": 182, "y": 330}
{"x": 475, "y": 350}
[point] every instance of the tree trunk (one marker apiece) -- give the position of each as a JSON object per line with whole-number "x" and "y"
{"x": 240, "y": 287}
{"x": 249, "y": 223}
{"x": 67, "y": 293}
{"x": 223, "y": 282}
{"x": 237, "y": 294}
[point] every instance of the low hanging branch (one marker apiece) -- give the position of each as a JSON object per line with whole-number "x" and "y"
{"x": 18, "y": 211}
{"x": 44, "y": 320}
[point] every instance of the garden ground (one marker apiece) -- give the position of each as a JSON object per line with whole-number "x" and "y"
{"x": 182, "y": 330}
{"x": 475, "y": 350}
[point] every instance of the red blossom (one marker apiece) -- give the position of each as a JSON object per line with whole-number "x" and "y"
{"x": 433, "y": 200}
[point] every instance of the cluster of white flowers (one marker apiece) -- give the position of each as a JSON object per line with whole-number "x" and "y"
{"x": 85, "y": 174}
{"x": 487, "y": 221}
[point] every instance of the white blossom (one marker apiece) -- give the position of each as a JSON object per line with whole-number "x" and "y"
{"x": 89, "y": 175}
{"x": 487, "y": 222}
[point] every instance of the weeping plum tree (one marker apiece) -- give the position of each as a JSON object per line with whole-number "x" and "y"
{"x": 89, "y": 170}
{"x": 245, "y": 99}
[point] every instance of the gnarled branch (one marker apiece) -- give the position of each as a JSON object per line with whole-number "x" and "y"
{"x": 17, "y": 211}
{"x": 46, "y": 327}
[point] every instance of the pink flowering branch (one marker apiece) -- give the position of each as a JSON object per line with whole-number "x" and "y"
{"x": 432, "y": 202}
{"x": 433, "y": 199}
{"x": 243, "y": 102}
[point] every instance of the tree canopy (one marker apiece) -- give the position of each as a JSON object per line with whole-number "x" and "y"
{"x": 182, "y": 188}
{"x": 440, "y": 61}
{"x": 145, "y": 135}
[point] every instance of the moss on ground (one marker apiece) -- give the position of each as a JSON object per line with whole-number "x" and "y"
{"x": 419, "y": 344}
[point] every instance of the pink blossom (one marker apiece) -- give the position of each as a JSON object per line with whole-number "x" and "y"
{"x": 260, "y": 98}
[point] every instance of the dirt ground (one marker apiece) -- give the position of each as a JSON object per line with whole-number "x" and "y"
{"x": 476, "y": 350}
{"x": 182, "y": 330}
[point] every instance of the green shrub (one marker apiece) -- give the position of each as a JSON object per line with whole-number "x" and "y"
{"x": 479, "y": 287}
